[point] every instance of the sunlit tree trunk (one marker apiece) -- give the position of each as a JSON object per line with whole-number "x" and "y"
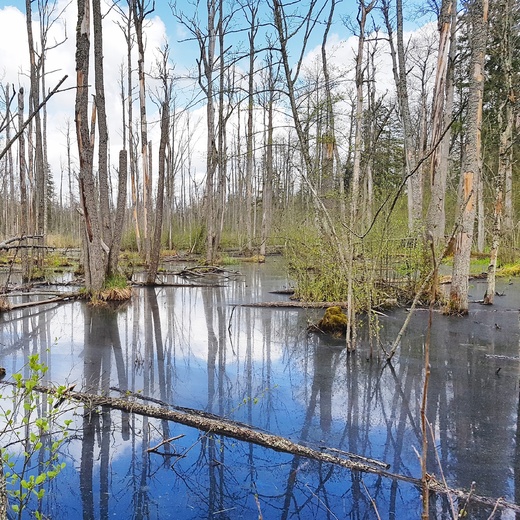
{"x": 478, "y": 12}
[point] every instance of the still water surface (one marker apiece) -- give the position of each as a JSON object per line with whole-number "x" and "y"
{"x": 199, "y": 348}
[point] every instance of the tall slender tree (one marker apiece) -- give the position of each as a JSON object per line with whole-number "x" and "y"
{"x": 141, "y": 9}
{"x": 477, "y": 12}
{"x": 442, "y": 114}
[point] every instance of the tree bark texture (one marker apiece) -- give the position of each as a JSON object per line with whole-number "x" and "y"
{"x": 99, "y": 78}
{"x": 94, "y": 256}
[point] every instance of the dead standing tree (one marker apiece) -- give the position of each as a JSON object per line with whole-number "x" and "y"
{"x": 505, "y": 119}
{"x": 471, "y": 166}
{"x": 399, "y": 69}
{"x": 441, "y": 120}
{"x": 141, "y": 9}
{"x": 167, "y": 86}
{"x": 211, "y": 77}
{"x": 96, "y": 252}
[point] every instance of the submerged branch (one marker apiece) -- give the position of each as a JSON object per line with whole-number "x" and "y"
{"x": 228, "y": 428}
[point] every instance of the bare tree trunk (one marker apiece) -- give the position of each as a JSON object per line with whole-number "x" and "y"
{"x": 253, "y": 29}
{"x": 127, "y": 31}
{"x": 104, "y": 204}
{"x": 9, "y": 169}
{"x": 505, "y": 151}
{"x": 267, "y": 192}
{"x": 478, "y": 12}
{"x": 23, "y": 188}
{"x": 480, "y": 210}
{"x": 363, "y": 11}
{"x": 39, "y": 167}
{"x": 329, "y": 148}
{"x": 156, "y": 244}
{"x": 119, "y": 220}
{"x": 414, "y": 181}
{"x": 162, "y": 169}
{"x": 94, "y": 254}
{"x": 142, "y": 8}
{"x": 441, "y": 120}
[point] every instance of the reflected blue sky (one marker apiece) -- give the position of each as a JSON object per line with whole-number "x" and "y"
{"x": 199, "y": 348}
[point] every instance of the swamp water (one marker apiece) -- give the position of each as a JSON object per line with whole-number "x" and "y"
{"x": 199, "y": 348}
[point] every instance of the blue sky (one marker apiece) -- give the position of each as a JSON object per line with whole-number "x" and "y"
{"x": 162, "y": 27}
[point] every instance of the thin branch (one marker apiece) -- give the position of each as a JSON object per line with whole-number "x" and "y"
{"x": 30, "y": 118}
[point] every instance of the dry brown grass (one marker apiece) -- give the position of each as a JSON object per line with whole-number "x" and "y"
{"x": 115, "y": 294}
{"x": 4, "y": 304}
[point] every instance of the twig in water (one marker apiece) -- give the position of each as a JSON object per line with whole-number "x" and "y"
{"x": 452, "y": 505}
{"x": 495, "y": 509}
{"x": 374, "y": 505}
{"x": 165, "y": 441}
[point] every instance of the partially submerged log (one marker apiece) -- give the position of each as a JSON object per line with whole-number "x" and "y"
{"x": 228, "y": 428}
{"x": 65, "y": 297}
{"x": 296, "y": 304}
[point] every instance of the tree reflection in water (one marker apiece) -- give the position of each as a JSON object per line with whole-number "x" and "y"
{"x": 199, "y": 348}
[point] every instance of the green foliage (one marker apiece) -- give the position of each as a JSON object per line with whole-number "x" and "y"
{"x": 129, "y": 240}
{"x": 228, "y": 260}
{"x": 57, "y": 261}
{"x": 314, "y": 265}
{"x": 387, "y": 265}
{"x": 38, "y": 434}
{"x": 116, "y": 281}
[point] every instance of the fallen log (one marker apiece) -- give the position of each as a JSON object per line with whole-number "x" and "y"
{"x": 229, "y": 429}
{"x": 5, "y": 243}
{"x": 296, "y": 304}
{"x": 9, "y": 307}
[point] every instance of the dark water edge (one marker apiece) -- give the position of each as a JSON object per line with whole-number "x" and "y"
{"x": 198, "y": 348}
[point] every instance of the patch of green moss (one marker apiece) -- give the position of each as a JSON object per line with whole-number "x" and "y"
{"x": 334, "y": 322}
